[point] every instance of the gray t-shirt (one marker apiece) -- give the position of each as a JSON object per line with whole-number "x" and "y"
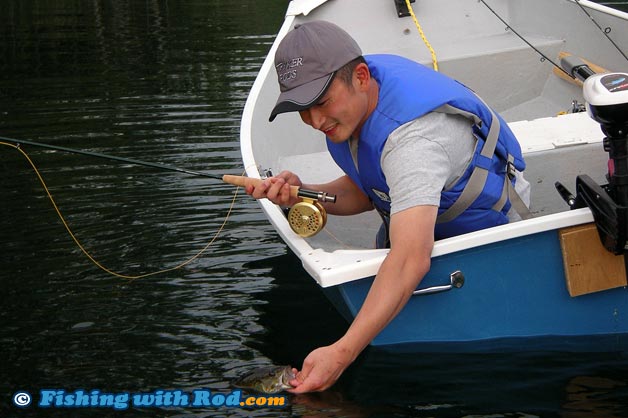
{"x": 428, "y": 155}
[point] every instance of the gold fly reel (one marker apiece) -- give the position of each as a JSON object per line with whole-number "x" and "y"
{"x": 307, "y": 218}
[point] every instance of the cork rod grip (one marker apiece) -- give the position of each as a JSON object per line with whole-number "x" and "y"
{"x": 246, "y": 181}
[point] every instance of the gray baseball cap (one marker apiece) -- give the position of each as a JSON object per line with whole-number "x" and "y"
{"x": 306, "y": 60}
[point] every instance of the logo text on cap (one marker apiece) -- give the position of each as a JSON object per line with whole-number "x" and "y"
{"x": 287, "y": 69}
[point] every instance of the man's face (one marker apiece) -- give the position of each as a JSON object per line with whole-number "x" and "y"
{"x": 340, "y": 113}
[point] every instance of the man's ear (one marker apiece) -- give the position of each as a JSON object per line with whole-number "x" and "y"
{"x": 361, "y": 76}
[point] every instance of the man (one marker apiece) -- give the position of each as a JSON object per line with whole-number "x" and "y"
{"x": 420, "y": 148}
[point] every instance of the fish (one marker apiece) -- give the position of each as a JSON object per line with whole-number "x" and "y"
{"x": 269, "y": 379}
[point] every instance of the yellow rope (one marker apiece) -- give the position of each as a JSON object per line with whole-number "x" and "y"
{"x": 91, "y": 258}
{"x": 427, "y": 43}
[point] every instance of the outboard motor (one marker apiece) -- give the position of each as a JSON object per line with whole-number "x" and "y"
{"x": 606, "y": 97}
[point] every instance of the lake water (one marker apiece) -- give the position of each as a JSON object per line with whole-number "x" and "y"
{"x": 166, "y": 82}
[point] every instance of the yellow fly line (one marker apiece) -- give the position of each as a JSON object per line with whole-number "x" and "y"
{"x": 420, "y": 29}
{"x": 89, "y": 256}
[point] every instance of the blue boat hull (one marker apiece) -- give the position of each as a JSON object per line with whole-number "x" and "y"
{"x": 514, "y": 294}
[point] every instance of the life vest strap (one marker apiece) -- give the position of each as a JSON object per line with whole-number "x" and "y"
{"x": 477, "y": 181}
{"x": 478, "y": 177}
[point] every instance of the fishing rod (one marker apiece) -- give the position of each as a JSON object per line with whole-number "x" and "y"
{"x": 295, "y": 191}
{"x": 538, "y": 51}
{"x": 306, "y": 218}
{"x": 545, "y": 57}
{"x": 19, "y": 142}
{"x": 605, "y": 31}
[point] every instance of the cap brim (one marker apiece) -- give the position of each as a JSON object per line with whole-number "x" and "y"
{"x": 301, "y": 97}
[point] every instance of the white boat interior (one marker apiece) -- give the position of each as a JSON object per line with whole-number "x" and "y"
{"x": 475, "y": 47}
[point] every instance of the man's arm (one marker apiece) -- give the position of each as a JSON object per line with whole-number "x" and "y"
{"x": 412, "y": 241}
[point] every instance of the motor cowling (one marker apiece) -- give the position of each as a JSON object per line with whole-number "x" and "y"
{"x": 606, "y": 97}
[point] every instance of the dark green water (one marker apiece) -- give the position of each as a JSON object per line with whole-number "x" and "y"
{"x": 166, "y": 82}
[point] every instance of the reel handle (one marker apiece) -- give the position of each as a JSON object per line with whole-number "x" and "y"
{"x": 295, "y": 191}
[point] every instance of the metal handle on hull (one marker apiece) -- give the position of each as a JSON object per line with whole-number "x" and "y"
{"x": 456, "y": 280}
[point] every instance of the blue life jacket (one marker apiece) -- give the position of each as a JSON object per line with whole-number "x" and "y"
{"x": 409, "y": 90}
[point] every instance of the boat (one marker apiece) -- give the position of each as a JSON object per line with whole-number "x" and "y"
{"x": 554, "y": 281}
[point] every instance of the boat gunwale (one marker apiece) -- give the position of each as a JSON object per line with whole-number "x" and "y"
{"x": 602, "y": 8}
{"x": 342, "y": 266}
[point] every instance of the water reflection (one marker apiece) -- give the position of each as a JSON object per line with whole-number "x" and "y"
{"x": 588, "y": 396}
{"x": 463, "y": 384}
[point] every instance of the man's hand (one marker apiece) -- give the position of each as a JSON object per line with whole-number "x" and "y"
{"x": 276, "y": 189}
{"x": 321, "y": 368}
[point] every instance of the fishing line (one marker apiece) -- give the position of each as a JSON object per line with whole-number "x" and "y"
{"x": 4, "y": 141}
{"x": 604, "y": 31}
{"x": 543, "y": 56}
{"x": 306, "y": 218}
